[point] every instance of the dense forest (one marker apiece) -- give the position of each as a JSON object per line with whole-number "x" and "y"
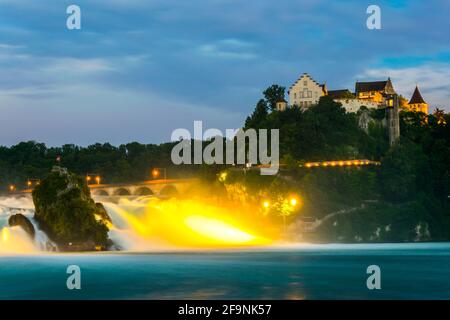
{"x": 126, "y": 163}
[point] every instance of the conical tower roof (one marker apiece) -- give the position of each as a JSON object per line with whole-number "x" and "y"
{"x": 416, "y": 97}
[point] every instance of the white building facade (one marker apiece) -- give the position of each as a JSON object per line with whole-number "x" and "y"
{"x": 306, "y": 92}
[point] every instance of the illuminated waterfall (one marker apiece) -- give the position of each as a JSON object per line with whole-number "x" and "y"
{"x": 142, "y": 224}
{"x": 152, "y": 224}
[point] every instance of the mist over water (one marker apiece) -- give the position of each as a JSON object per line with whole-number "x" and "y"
{"x": 14, "y": 240}
{"x": 148, "y": 224}
{"x": 142, "y": 224}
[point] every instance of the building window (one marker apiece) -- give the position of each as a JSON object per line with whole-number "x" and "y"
{"x": 300, "y": 95}
{"x": 305, "y": 83}
{"x": 295, "y": 95}
{"x": 309, "y": 94}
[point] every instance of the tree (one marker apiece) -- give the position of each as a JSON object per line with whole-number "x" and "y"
{"x": 405, "y": 172}
{"x": 274, "y": 94}
{"x": 257, "y": 119}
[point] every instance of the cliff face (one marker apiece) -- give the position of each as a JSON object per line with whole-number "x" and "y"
{"x": 67, "y": 213}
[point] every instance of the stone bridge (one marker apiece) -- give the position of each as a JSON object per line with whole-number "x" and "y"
{"x": 164, "y": 188}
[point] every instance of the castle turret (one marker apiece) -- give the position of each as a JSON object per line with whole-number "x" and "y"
{"x": 417, "y": 103}
{"x": 281, "y": 104}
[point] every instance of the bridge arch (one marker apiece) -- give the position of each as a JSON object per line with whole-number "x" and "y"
{"x": 101, "y": 193}
{"x": 143, "y": 191}
{"x": 122, "y": 192}
{"x": 169, "y": 191}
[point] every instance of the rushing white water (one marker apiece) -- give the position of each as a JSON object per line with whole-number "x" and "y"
{"x": 148, "y": 224}
{"x": 15, "y": 239}
{"x": 142, "y": 224}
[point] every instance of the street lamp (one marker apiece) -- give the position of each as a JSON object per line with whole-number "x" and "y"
{"x": 93, "y": 176}
{"x": 223, "y": 176}
{"x": 156, "y": 172}
{"x": 293, "y": 202}
{"x": 31, "y": 182}
{"x": 12, "y": 188}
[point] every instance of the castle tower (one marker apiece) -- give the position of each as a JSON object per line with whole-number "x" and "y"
{"x": 417, "y": 104}
{"x": 392, "y": 118}
{"x": 281, "y": 104}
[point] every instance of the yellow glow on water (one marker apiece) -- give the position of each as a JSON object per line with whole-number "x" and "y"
{"x": 15, "y": 240}
{"x": 5, "y": 234}
{"x": 182, "y": 223}
{"x": 218, "y": 230}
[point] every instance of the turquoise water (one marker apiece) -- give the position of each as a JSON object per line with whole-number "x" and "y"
{"x": 408, "y": 271}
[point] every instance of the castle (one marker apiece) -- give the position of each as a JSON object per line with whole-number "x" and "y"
{"x": 306, "y": 92}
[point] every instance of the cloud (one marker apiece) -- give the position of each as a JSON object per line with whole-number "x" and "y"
{"x": 228, "y": 49}
{"x": 78, "y": 66}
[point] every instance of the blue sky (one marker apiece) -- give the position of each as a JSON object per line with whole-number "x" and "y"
{"x": 139, "y": 69}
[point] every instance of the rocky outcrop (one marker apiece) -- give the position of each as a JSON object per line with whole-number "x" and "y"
{"x": 23, "y": 222}
{"x": 69, "y": 216}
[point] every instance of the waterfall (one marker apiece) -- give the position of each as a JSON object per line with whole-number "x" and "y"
{"x": 142, "y": 224}
{"x": 149, "y": 224}
{"x": 15, "y": 239}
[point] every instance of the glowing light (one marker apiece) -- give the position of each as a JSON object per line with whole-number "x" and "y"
{"x": 5, "y": 234}
{"x": 12, "y": 187}
{"x": 14, "y": 240}
{"x": 88, "y": 178}
{"x": 183, "y": 223}
{"x": 155, "y": 173}
{"x": 293, "y": 202}
{"x": 97, "y": 179}
{"x": 223, "y": 176}
{"x": 266, "y": 204}
{"x": 218, "y": 230}
{"x": 341, "y": 163}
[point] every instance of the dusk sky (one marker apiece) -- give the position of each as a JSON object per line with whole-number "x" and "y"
{"x": 139, "y": 69}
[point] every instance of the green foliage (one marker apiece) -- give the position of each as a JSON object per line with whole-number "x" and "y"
{"x": 126, "y": 163}
{"x": 258, "y": 118}
{"x": 417, "y": 220}
{"x": 404, "y": 172}
{"x": 274, "y": 94}
{"x": 66, "y": 211}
